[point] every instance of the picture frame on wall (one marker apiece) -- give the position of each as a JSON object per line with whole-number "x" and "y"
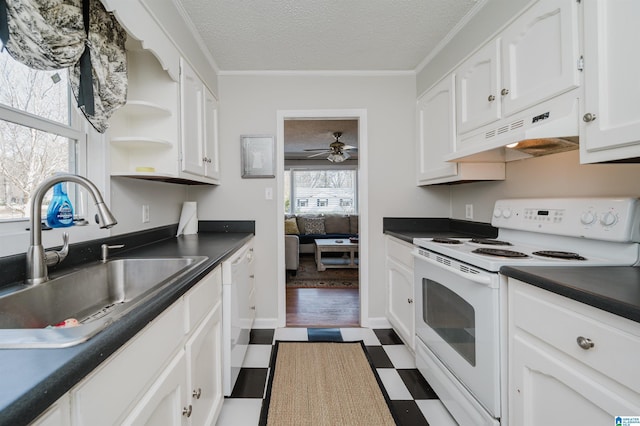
{"x": 258, "y": 156}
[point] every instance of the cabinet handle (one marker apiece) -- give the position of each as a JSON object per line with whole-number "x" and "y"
{"x": 491, "y": 98}
{"x": 197, "y": 393}
{"x": 585, "y": 343}
{"x": 253, "y": 308}
{"x": 409, "y": 300}
{"x": 186, "y": 411}
{"x": 504, "y": 92}
{"x": 588, "y": 117}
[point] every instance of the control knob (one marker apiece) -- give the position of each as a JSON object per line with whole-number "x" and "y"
{"x": 588, "y": 218}
{"x": 609, "y": 219}
{"x": 506, "y": 213}
{"x": 497, "y": 212}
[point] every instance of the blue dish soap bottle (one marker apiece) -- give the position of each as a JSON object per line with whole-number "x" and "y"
{"x": 60, "y": 211}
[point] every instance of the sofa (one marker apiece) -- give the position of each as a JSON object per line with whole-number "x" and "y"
{"x": 301, "y": 231}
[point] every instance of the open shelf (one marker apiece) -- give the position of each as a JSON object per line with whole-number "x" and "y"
{"x": 140, "y": 142}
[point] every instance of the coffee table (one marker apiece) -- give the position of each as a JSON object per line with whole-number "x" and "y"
{"x": 345, "y": 246}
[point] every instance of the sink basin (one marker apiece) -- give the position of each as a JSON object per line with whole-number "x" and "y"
{"x": 95, "y": 296}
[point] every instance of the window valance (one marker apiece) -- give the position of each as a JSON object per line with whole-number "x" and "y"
{"x": 55, "y": 34}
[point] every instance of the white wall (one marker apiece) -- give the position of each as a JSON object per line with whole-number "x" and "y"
{"x": 557, "y": 175}
{"x": 128, "y": 196}
{"x": 249, "y": 104}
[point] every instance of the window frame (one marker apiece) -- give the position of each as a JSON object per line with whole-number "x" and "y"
{"x": 292, "y": 170}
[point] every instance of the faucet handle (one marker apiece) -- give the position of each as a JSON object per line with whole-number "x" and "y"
{"x": 55, "y": 257}
{"x": 104, "y": 249}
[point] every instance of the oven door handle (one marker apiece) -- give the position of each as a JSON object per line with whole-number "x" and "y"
{"x": 480, "y": 279}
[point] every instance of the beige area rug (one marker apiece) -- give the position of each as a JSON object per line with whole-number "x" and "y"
{"x": 307, "y": 276}
{"x": 324, "y": 384}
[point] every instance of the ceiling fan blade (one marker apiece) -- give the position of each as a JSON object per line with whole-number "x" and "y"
{"x": 316, "y": 149}
{"x": 351, "y": 147}
{"x": 318, "y": 154}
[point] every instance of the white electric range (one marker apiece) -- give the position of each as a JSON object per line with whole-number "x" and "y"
{"x": 461, "y": 296}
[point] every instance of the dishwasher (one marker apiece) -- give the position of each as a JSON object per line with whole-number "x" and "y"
{"x": 238, "y": 312}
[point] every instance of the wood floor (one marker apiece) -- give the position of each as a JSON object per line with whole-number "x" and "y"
{"x": 323, "y": 307}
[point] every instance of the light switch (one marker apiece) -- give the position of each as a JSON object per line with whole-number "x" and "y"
{"x": 268, "y": 193}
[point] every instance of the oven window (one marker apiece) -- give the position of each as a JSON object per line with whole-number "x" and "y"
{"x": 451, "y": 317}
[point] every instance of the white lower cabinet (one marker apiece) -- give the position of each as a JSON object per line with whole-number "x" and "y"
{"x": 569, "y": 363}
{"x": 166, "y": 401}
{"x": 170, "y": 373}
{"x": 56, "y": 415}
{"x": 399, "y": 273}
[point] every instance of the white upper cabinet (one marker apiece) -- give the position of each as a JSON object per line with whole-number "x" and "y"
{"x": 199, "y": 130}
{"x": 534, "y": 59}
{"x": 477, "y": 85}
{"x": 610, "y": 118}
{"x": 539, "y": 55}
{"x": 437, "y": 138}
{"x": 436, "y": 132}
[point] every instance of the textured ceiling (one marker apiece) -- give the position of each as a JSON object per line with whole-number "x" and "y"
{"x": 323, "y": 35}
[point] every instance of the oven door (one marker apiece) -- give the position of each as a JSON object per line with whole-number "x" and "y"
{"x": 458, "y": 319}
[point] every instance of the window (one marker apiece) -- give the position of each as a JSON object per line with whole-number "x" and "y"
{"x": 37, "y": 136}
{"x": 330, "y": 191}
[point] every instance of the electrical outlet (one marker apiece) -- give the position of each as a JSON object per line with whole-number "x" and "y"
{"x": 145, "y": 213}
{"x": 468, "y": 211}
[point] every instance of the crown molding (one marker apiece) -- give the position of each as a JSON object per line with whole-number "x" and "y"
{"x": 319, "y": 73}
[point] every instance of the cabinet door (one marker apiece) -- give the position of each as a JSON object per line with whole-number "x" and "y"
{"x": 611, "y": 92}
{"x": 539, "y": 55}
{"x": 191, "y": 123}
{"x": 436, "y": 132}
{"x": 59, "y": 414}
{"x": 211, "y": 136}
{"x": 166, "y": 401}
{"x": 477, "y": 82}
{"x": 204, "y": 357}
{"x": 401, "y": 307}
{"x": 548, "y": 387}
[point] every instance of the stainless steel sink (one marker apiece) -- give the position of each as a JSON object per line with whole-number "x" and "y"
{"x": 96, "y": 296}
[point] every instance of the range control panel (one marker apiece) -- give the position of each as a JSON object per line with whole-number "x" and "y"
{"x": 612, "y": 219}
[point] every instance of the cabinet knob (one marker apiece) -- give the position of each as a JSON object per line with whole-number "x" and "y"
{"x": 491, "y": 98}
{"x": 588, "y": 117}
{"x": 504, "y": 92}
{"x": 197, "y": 393}
{"x": 186, "y": 411}
{"x": 585, "y": 343}
{"x": 253, "y": 308}
{"x": 409, "y": 300}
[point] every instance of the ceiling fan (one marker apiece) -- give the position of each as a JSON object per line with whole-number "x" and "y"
{"x": 337, "y": 150}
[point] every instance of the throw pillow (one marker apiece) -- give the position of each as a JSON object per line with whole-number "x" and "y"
{"x": 314, "y": 225}
{"x": 291, "y": 226}
{"x": 336, "y": 224}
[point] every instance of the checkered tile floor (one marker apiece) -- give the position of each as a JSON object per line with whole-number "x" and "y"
{"x": 411, "y": 396}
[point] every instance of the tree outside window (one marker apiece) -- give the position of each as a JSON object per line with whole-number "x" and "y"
{"x": 33, "y": 105}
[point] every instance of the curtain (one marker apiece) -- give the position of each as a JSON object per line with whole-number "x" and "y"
{"x": 51, "y": 34}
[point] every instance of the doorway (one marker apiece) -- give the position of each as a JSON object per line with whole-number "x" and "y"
{"x": 323, "y": 303}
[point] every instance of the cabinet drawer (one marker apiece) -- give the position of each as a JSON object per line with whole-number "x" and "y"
{"x": 202, "y": 298}
{"x": 559, "y": 322}
{"x": 400, "y": 251}
{"x": 105, "y": 396}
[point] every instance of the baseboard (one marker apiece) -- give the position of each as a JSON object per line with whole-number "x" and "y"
{"x": 378, "y": 322}
{"x": 265, "y": 323}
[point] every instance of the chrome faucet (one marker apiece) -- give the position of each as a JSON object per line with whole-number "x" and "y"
{"x": 37, "y": 259}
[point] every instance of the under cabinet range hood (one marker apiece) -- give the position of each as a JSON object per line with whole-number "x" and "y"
{"x": 547, "y": 128}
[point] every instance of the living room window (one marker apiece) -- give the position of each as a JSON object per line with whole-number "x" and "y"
{"x": 321, "y": 191}
{"x": 37, "y": 135}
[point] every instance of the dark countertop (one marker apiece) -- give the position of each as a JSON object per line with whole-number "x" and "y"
{"x": 407, "y": 229}
{"x": 614, "y": 289}
{"x": 33, "y": 379}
